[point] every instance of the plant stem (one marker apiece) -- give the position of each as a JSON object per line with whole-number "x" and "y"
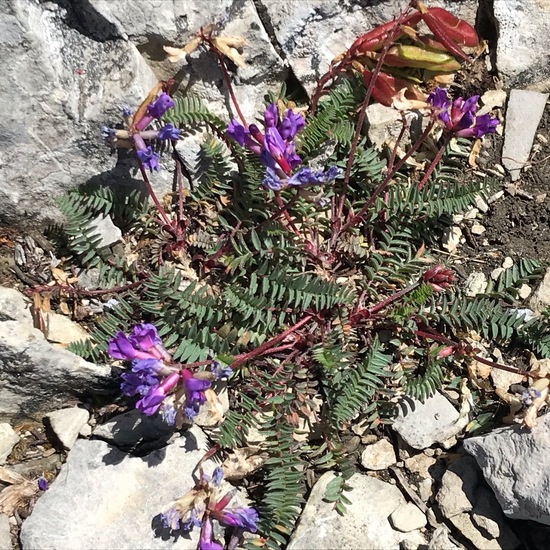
{"x": 434, "y": 163}
{"x": 267, "y": 346}
{"x": 152, "y": 194}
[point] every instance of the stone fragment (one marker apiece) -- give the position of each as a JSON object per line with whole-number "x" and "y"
{"x": 5, "y": 536}
{"x": 496, "y": 273}
{"x": 39, "y": 378}
{"x": 541, "y": 298}
{"x": 425, "y": 490}
{"x": 14, "y": 306}
{"x": 66, "y": 424}
{"x": 408, "y": 517}
{"x": 133, "y": 429}
{"x": 423, "y": 424}
{"x": 8, "y": 439}
{"x": 507, "y": 263}
{"x": 378, "y": 456}
{"x": 458, "y": 485}
{"x": 383, "y": 125}
{"x": 61, "y": 330}
{"x": 105, "y": 231}
{"x": 503, "y": 379}
{"x": 491, "y": 99}
{"x": 514, "y": 463}
{"x": 104, "y": 498}
{"x": 420, "y": 464}
{"x": 521, "y": 49}
{"x": 440, "y": 540}
{"x": 478, "y": 229}
{"x": 475, "y": 284}
{"x": 525, "y": 109}
{"x": 364, "y": 525}
{"x": 451, "y": 238}
{"x": 471, "y": 214}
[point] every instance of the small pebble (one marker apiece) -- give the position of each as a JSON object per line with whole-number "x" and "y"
{"x": 481, "y": 204}
{"x": 471, "y": 214}
{"x": 524, "y": 291}
{"x": 495, "y": 197}
{"x": 495, "y": 274}
{"x": 541, "y": 197}
{"x": 507, "y": 263}
{"x": 542, "y": 138}
{"x": 478, "y": 229}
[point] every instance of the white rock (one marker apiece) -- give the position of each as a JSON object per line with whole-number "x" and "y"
{"x": 514, "y": 464}
{"x": 525, "y": 109}
{"x": 471, "y": 214}
{"x": 451, "y": 238}
{"x": 5, "y": 536}
{"x": 458, "y": 486}
{"x": 481, "y": 204}
{"x": 476, "y": 283}
{"x": 420, "y": 464}
{"x": 440, "y": 540}
{"x": 8, "y": 439}
{"x": 378, "y": 456}
{"x": 105, "y": 230}
{"x": 425, "y": 490}
{"x": 524, "y": 291}
{"x": 383, "y": 124}
{"x": 496, "y": 273}
{"x": 14, "y": 306}
{"x": 67, "y": 423}
{"x": 364, "y": 525}
{"x": 541, "y": 298}
{"x": 478, "y": 229}
{"x": 408, "y": 518}
{"x": 423, "y": 424}
{"x": 507, "y": 263}
{"x": 60, "y": 329}
{"x": 522, "y": 48}
{"x": 104, "y": 498}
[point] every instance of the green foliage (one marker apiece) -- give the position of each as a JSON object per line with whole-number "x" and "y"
{"x": 189, "y": 112}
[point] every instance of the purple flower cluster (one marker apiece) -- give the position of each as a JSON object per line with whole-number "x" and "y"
{"x": 459, "y": 117}
{"x": 155, "y": 110}
{"x": 277, "y": 149}
{"x": 152, "y": 377}
{"x": 201, "y": 516}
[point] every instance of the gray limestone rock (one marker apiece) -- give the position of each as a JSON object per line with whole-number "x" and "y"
{"x": 63, "y": 79}
{"x": 365, "y": 525}
{"x": 408, "y": 518}
{"x": 66, "y": 424}
{"x": 104, "y": 498}
{"x": 523, "y": 114}
{"x": 423, "y": 424}
{"x": 522, "y": 46}
{"x": 8, "y": 438}
{"x": 5, "y": 536}
{"x": 514, "y": 463}
{"x": 133, "y": 429}
{"x": 14, "y": 306}
{"x": 458, "y": 485}
{"x": 37, "y": 377}
{"x": 378, "y": 456}
{"x": 60, "y": 329}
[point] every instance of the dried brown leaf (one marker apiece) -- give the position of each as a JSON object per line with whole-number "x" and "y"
{"x": 243, "y": 462}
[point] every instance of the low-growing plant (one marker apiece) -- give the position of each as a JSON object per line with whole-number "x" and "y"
{"x": 294, "y": 260}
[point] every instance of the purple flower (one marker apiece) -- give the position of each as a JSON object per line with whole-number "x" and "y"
{"x": 245, "y": 518}
{"x": 171, "y": 519}
{"x": 126, "y": 111}
{"x": 276, "y": 148}
{"x": 42, "y": 483}
{"x": 149, "y": 158}
{"x": 459, "y": 118}
{"x": 169, "y": 131}
{"x": 206, "y": 542}
{"x": 528, "y": 395}
{"x": 302, "y": 178}
{"x": 220, "y": 370}
{"x": 149, "y": 404}
{"x": 143, "y": 343}
{"x": 120, "y": 347}
{"x": 108, "y": 133}
{"x": 140, "y": 383}
{"x": 168, "y": 414}
{"x": 191, "y": 521}
{"x": 160, "y": 105}
{"x": 194, "y": 393}
{"x": 144, "y": 336}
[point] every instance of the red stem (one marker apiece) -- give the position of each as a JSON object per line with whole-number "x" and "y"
{"x": 434, "y": 163}
{"x": 266, "y": 346}
{"x": 167, "y": 221}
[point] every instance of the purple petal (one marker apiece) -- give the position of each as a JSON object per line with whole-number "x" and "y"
{"x": 160, "y": 105}
{"x": 237, "y": 132}
{"x": 271, "y": 115}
